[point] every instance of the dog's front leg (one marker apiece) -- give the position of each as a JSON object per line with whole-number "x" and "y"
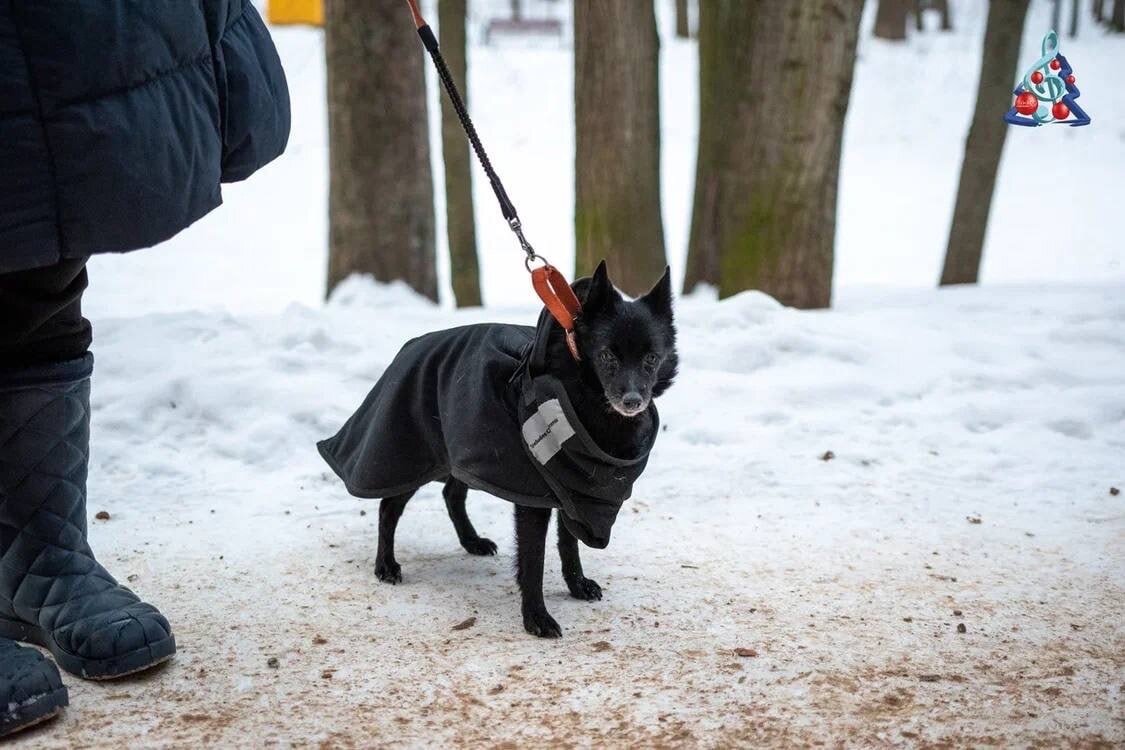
{"x": 531, "y": 543}
{"x": 580, "y": 586}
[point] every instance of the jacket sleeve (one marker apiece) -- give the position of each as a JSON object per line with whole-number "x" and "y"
{"x": 254, "y": 97}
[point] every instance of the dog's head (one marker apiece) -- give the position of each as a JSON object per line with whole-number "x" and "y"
{"x": 627, "y": 346}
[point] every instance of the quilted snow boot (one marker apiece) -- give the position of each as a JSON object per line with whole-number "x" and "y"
{"x": 31, "y": 690}
{"x": 52, "y": 590}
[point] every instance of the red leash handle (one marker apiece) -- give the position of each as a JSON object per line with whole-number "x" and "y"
{"x": 561, "y": 302}
{"x": 419, "y": 22}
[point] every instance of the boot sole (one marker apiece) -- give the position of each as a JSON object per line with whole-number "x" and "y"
{"x": 44, "y": 708}
{"x": 90, "y": 669}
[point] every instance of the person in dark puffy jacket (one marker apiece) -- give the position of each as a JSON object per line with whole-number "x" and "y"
{"x": 119, "y": 119}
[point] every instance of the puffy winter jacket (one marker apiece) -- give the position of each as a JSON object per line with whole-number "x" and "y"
{"x": 119, "y": 119}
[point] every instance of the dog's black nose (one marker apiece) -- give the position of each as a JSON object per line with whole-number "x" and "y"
{"x": 632, "y": 401}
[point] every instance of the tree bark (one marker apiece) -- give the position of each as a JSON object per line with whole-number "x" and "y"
{"x": 682, "y": 27}
{"x": 1099, "y": 10}
{"x": 946, "y": 21}
{"x": 775, "y": 79}
{"x": 1117, "y": 20}
{"x": 1056, "y": 14}
{"x": 985, "y": 141}
{"x": 1074, "y": 18}
{"x": 380, "y": 194}
{"x": 890, "y": 19}
{"x": 617, "y": 142}
{"x": 460, "y": 225}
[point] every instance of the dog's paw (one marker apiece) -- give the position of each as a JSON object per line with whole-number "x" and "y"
{"x": 540, "y": 623}
{"x": 390, "y": 572}
{"x": 480, "y": 546}
{"x": 585, "y": 589}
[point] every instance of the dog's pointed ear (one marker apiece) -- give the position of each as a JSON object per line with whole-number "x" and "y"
{"x": 600, "y": 291}
{"x": 659, "y": 298}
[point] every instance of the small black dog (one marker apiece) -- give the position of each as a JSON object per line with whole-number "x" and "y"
{"x": 507, "y": 410}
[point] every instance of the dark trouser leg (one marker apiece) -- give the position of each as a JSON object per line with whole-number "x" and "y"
{"x": 53, "y": 591}
{"x": 41, "y": 315}
{"x": 531, "y": 544}
{"x": 580, "y": 586}
{"x": 455, "y": 492}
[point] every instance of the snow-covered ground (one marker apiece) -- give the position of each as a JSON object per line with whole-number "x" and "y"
{"x": 975, "y": 435}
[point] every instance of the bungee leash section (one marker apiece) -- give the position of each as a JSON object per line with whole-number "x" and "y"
{"x": 549, "y": 283}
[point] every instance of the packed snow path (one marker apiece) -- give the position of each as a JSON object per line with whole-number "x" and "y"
{"x": 974, "y": 436}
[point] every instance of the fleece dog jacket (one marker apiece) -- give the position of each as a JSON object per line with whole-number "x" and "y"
{"x": 477, "y": 403}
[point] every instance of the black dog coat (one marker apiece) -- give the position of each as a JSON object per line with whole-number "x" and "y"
{"x": 477, "y": 403}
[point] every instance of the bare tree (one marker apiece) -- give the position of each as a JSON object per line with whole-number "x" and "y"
{"x": 775, "y": 79}
{"x": 890, "y": 19}
{"x": 460, "y": 225}
{"x": 380, "y": 194}
{"x": 985, "y": 141}
{"x": 682, "y": 28}
{"x": 617, "y": 142}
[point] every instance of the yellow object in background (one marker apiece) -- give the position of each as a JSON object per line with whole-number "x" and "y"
{"x": 296, "y": 11}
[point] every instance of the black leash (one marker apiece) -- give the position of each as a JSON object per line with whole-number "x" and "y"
{"x": 429, "y": 41}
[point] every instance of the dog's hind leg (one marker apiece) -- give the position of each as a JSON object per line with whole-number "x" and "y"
{"x": 390, "y": 510}
{"x": 455, "y": 492}
{"x": 531, "y": 543}
{"x": 580, "y": 586}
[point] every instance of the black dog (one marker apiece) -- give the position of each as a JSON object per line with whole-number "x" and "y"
{"x": 506, "y": 409}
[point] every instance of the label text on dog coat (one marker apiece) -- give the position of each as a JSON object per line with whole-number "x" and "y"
{"x": 546, "y": 430}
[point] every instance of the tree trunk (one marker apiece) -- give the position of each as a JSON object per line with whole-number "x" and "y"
{"x": 460, "y": 225}
{"x": 380, "y": 194}
{"x": 985, "y": 141}
{"x": 617, "y": 142}
{"x": 1056, "y": 14}
{"x": 1074, "y": 18}
{"x": 919, "y": 9}
{"x": 775, "y": 80}
{"x": 1099, "y": 10}
{"x": 682, "y": 28}
{"x": 722, "y": 74}
{"x": 1117, "y": 21}
{"x": 946, "y": 21}
{"x": 890, "y": 19}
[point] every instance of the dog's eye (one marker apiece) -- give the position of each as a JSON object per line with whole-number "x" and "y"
{"x": 608, "y": 358}
{"x": 651, "y": 361}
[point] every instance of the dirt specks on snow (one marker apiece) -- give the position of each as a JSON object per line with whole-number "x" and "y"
{"x": 465, "y": 624}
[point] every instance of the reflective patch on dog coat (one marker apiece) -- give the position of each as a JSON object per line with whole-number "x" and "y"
{"x": 546, "y": 430}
